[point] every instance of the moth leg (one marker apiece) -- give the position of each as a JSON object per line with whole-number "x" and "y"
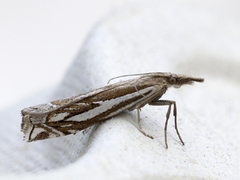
{"x": 169, "y": 104}
{"x": 139, "y": 124}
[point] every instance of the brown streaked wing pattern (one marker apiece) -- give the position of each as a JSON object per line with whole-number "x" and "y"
{"x": 69, "y": 127}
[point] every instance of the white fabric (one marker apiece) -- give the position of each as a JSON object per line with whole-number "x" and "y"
{"x": 198, "y": 39}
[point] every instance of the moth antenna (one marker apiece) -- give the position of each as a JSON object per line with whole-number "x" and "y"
{"x": 127, "y": 76}
{"x": 135, "y": 85}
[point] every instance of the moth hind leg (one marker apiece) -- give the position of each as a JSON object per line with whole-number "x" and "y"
{"x": 139, "y": 125}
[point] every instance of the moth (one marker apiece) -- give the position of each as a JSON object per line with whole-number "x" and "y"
{"x": 70, "y": 115}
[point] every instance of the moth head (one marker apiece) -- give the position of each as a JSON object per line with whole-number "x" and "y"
{"x": 179, "y": 80}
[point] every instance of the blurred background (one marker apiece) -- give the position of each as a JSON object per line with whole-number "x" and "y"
{"x": 41, "y": 38}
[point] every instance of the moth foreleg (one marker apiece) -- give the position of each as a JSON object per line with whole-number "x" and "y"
{"x": 169, "y": 104}
{"x": 139, "y": 124}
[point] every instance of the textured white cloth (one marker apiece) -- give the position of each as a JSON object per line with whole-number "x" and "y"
{"x": 194, "y": 38}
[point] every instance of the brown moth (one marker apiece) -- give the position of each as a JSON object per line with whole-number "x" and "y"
{"x": 70, "y": 115}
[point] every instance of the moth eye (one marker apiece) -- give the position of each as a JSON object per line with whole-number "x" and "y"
{"x": 172, "y": 80}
